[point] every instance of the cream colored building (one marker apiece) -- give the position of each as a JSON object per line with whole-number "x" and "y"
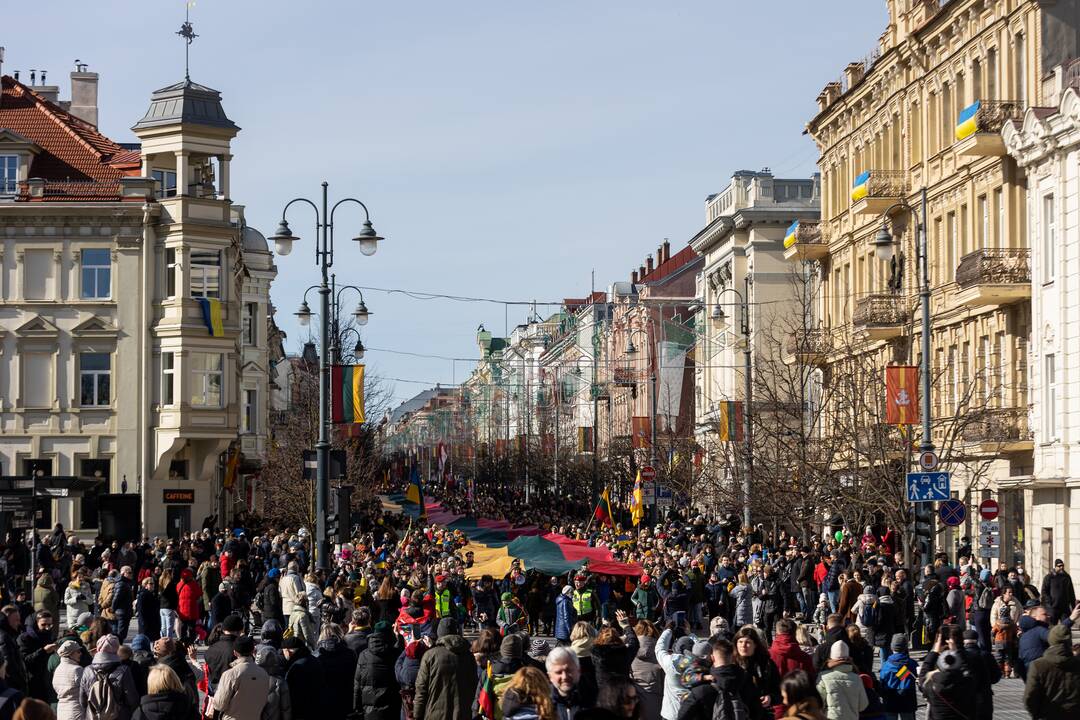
{"x": 107, "y": 366}
{"x": 893, "y": 117}
{"x": 1046, "y": 145}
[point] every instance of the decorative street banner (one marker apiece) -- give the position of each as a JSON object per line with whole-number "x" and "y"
{"x": 642, "y": 433}
{"x": 730, "y": 421}
{"x": 585, "y": 439}
{"x": 347, "y": 393}
{"x": 901, "y": 394}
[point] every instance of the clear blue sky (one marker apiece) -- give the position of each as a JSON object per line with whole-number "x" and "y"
{"x": 506, "y": 148}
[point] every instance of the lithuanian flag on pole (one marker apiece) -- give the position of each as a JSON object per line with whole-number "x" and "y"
{"x": 486, "y": 699}
{"x": 347, "y": 393}
{"x": 602, "y": 514}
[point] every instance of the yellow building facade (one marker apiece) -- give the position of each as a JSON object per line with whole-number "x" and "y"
{"x": 889, "y": 130}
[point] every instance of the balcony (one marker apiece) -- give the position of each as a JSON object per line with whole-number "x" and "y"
{"x": 978, "y": 129}
{"x": 806, "y": 240}
{"x": 809, "y": 347}
{"x": 1000, "y": 430}
{"x": 875, "y": 191}
{"x": 994, "y": 277}
{"x": 880, "y": 440}
{"x": 880, "y": 317}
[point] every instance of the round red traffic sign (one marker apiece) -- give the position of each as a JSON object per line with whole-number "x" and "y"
{"x": 648, "y": 473}
{"x": 989, "y": 509}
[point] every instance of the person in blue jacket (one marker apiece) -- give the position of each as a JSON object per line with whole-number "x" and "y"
{"x": 1034, "y": 634}
{"x": 897, "y": 678}
{"x": 565, "y": 615}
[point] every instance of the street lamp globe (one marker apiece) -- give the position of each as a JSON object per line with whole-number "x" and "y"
{"x": 358, "y": 350}
{"x": 719, "y": 318}
{"x": 883, "y": 243}
{"x": 283, "y": 238}
{"x": 361, "y": 314}
{"x": 630, "y": 348}
{"x": 368, "y": 239}
{"x": 303, "y": 315}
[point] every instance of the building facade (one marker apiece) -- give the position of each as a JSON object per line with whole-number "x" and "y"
{"x": 126, "y": 276}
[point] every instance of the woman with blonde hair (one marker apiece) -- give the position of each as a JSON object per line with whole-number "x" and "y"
{"x": 165, "y": 698}
{"x": 528, "y": 695}
{"x": 742, "y": 601}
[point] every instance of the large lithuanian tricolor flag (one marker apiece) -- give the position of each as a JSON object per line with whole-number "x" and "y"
{"x": 347, "y": 393}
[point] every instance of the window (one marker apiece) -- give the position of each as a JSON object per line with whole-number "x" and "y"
{"x": 948, "y": 118}
{"x": 9, "y": 174}
{"x": 94, "y": 379}
{"x": 976, "y": 79}
{"x": 991, "y": 74}
{"x": 96, "y": 273}
{"x": 251, "y": 312}
{"x": 1050, "y": 401}
{"x": 37, "y": 379}
{"x": 1049, "y": 240}
{"x": 165, "y": 180}
{"x": 1020, "y": 63}
{"x": 984, "y": 222}
{"x": 999, "y": 203}
{"x": 38, "y": 275}
{"x": 168, "y": 378}
{"x": 207, "y": 377}
{"x": 206, "y": 273}
{"x": 170, "y": 272}
{"x": 952, "y": 247}
{"x": 251, "y": 409}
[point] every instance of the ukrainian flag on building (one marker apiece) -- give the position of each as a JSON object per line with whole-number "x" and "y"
{"x": 789, "y": 237}
{"x": 211, "y": 312}
{"x": 967, "y": 124}
{"x": 860, "y": 189}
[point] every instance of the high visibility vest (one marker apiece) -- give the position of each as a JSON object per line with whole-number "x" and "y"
{"x": 583, "y": 602}
{"x": 442, "y": 603}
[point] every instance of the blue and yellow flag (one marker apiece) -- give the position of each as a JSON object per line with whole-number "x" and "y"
{"x": 414, "y": 493}
{"x": 860, "y": 189}
{"x": 789, "y": 237}
{"x": 967, "y": 124}
{"x": 211, "y": 312}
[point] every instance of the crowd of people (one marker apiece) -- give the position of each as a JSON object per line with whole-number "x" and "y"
{"x": 721, "y": 623}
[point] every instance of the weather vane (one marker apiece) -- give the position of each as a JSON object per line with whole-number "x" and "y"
{"x": 187, "y": 32}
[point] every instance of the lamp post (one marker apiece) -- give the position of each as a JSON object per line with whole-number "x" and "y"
{"x": 367, "y": 241}
{"x": 720, "y": 322}
{"x": 360, "y": 316}
{"x": 884, "y": 248}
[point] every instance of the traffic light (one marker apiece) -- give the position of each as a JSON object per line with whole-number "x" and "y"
{"x": 333, "y": 527}
{"x": 924, "y": 531}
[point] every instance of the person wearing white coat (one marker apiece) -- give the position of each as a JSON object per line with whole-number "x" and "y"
{"x": 77, "y": 599}
{"x": 66, "y": 681}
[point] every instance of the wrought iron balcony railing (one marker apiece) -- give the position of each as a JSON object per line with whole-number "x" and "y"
{"x": 879, "y": 311}
{"x": 993, "y": 114}
{"x": 998, "y": 425}
{"x": 1001, "y": 266}
{"x": 808, "y": 342}
{"x": 887, "y": 184}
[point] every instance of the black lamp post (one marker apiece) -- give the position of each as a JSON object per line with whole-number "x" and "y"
{"x": 367, "y": 241}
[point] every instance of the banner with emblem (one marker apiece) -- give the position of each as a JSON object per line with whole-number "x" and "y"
{"x": 902, "y": 395}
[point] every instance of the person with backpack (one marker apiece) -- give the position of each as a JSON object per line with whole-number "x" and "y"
{"x": 865, "y": 612}
{"x": 897, "y": 681}
{"x": 728, "y": 695}
{"x": 107, "y": 689}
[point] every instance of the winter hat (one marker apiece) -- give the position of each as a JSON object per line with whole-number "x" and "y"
{"x": 985, "y": 575}
{"x": 272, "y": 630}
{"x": 140, "y": 643}
{"x": 970, "y": 637}
{"x": 84, "y": 619}
{"x": 953, "y": 582}
{"x": 273, "y": 573}
{"x": 71, "y": 649}
{"x": 1059, "y": 635}
{"x": 718, "y": 624}
{"x": 684, "y": 645}
{"x": 507, "y": 597}
{"x": 839, "y": 651}
{"x": 107, "y": 647}
{"x": 382, "y": 627}
{"x": 702, "y": 649}
{"x": 510, "y": 647}
{"x": 266, "y": 657}
{"x": 539, "y": 648}
{"x": 823, "y": 598}
{"x": 567, "y": 590}
{"x": 447, "y": 626}
{"x": 899, "y": 643}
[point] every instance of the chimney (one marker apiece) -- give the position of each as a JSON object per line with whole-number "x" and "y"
{"x": 659, "y": 255}
{"x": 641, "y": 274}
{"x": 853, "y": 73}
{"x": 648, "y": 263}
{"x": 84, "y": 94}
{"x": 633, "y": 277}
{"x": 49, "y": 92}
{"x": 667, "y": 250}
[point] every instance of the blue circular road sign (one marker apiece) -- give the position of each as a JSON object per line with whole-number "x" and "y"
{"x": 952, "y": 512}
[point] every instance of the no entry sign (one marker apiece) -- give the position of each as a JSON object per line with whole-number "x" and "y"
{"x": 648, "y": 473}
{"x": 989, "y": 510}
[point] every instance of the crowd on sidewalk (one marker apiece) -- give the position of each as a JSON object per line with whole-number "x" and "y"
{"x": 723, "y": 623}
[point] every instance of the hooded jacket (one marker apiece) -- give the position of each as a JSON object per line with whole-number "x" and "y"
{"x": 119, "y": 676}
{"x": 648, "y": 676}
{"x": 1052, "y": 690}
{"x": 842, "y": 692}
{"x": 15, "y": 676}
{"x": 674, "y": 692}
{"x": 376, "y": 693}
{"x": 446, "y": 683}
{"x": 337, "y": 664}
{"x": 278, "y": 700}
{"x": 565, "y": 617}
{"x": 189, "y": 595}
{"x": 898, "y": 690}
{"x": 787, "y": 656}
{"x": 821, "y": 652}
{"x": 66, "y": 682}
{"x": 169, "y": 705}
{"x": 1034, "y": 640}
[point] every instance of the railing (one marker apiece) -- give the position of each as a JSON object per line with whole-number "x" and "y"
{"x": 37, "y": 188}
{"x": 879, "y": 310}
{"x": 887, "y": 184}
{"x": 993, "y": 114}
{"x": 998, "y": 425}
{"x": 1008, "y": 266}
{"x": 809, "y": 232}
{"x": 808, "y": 342}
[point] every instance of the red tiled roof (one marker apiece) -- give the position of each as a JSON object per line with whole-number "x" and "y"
{"x": 75, "y": 159}
{"x": 670, "y": 266}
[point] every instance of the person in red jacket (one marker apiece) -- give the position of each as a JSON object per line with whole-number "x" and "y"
{"x": 787, "y": 655}
{"x": 188, "y": 608}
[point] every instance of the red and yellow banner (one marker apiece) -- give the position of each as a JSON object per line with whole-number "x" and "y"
{"x": 902, "y": 394}
{"x": 641, "y": 432}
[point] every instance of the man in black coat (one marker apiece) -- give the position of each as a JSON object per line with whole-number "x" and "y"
{"x": 305, "y": 680}
{"x": 376, "y": 694}
{"x": 1058, "y": 595}
{"x": 10, "y": 627}
{"x": 35, "y": 646}
{"x": 220, "y": 655}
{"x": 123, "y": 599}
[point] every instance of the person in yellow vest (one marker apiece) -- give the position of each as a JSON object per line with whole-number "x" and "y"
{"x": 584, "y": 599}
{"x": 444, "y": 599}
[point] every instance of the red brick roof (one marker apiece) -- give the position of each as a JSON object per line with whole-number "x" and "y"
{"x": 76, "y": 161}
{"x": 669, "y": 266}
